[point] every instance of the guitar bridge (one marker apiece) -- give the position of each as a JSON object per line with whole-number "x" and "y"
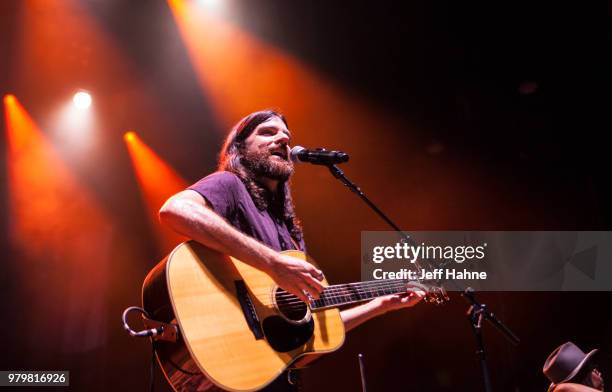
{"x": 248, "y": 309}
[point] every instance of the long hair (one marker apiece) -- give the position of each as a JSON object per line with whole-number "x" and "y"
{"x": 231, "y": 160}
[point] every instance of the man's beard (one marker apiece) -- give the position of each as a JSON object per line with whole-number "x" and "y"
{"x": 262, "y": 164}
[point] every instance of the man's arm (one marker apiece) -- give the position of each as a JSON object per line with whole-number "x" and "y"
{"x": 358, "y": 315}
{"x": 188, "y": 214}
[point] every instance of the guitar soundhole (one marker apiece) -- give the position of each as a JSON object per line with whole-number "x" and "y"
{"x": 291, "y": 307}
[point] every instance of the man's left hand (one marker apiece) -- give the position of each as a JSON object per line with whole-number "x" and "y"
{"x": 397, "y": 301}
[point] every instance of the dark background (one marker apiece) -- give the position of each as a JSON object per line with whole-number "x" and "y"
{"x": 499, "y": 114}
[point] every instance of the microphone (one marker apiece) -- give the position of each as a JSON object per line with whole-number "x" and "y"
{"x": 318, "y": 156}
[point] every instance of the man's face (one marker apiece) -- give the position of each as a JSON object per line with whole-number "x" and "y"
{"x": 266, "y": 150}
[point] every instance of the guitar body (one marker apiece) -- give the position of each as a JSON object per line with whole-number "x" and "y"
{"x": 231, "y": 330}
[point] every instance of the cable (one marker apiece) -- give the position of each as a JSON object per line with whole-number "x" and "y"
{"x": 143, "y": 334}
{"x": 152, "y": 370}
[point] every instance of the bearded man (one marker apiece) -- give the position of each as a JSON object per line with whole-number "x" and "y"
{"x": 245, "y": 210}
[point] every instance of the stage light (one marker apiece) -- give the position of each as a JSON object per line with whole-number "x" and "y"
{"x": 9, "y": 99}
{"x": 158, "y": 181}
{"x": 82, "y": 100}
{"x": 63, "y": 209}
{"x": 73, "y": 124}
{"x": 129, "y": 136}
{"x": 212, "y": 5}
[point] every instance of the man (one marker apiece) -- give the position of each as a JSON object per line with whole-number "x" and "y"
{"x": 245, "y": 210}
{"x": 569, "y": 369}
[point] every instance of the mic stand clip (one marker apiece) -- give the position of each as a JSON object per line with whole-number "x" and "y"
{"x": 476, "y": 313}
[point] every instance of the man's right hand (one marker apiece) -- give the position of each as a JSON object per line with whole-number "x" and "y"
{"x": 297, "y": 276}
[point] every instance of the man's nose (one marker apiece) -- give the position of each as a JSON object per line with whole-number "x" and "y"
{"x": 282, "y": 138}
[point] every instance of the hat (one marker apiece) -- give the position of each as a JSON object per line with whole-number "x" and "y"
{"x": 564, "y": 363}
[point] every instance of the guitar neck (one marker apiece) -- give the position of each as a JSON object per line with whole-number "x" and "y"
{"x": 350, "y": 293}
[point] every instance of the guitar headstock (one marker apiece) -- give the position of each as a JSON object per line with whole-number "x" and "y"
{"x": 436, "y": 295}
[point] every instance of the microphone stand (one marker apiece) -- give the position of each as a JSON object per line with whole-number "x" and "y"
{"x": 339, "y": 174}
{"x": 477, "y": 310}
{"x": 362, "y": 373}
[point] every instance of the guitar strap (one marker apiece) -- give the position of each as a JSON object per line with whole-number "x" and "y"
{"x": 295, "y": 244}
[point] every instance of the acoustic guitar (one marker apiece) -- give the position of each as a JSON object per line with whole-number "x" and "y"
{"x": 227, "y": 324}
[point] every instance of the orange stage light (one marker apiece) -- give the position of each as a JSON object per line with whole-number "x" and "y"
{"x": 240, "y": 73}
{"x": 61, "y": 238}
{"x": 130, "y": 136}
{"x": 158, "y": 181}
{"x": 62, "y": 47}
{"x": 9, "y": 99}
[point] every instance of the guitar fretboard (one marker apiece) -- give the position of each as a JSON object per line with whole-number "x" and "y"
{"x": 343, "y": 294}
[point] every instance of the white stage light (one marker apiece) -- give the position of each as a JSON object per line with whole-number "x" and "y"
{"x": 82, "y": 100}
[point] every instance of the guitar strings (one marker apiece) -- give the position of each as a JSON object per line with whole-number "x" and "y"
{"x": 352, "y": 287}
{"x": 356, "y": 294}
{"x": 314, "y": 306}
{"x": 337, "y": 292}
{"x": 344, "y": 291}
{"x": 298, "y": 304}
{"x": 366, "y": 284}
{"x": 348, "y": 289}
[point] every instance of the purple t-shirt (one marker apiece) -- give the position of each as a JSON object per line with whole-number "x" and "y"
{"x": 229, "y": 198}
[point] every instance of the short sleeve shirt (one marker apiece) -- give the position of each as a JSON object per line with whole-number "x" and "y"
{"x": 228, "y": 197}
